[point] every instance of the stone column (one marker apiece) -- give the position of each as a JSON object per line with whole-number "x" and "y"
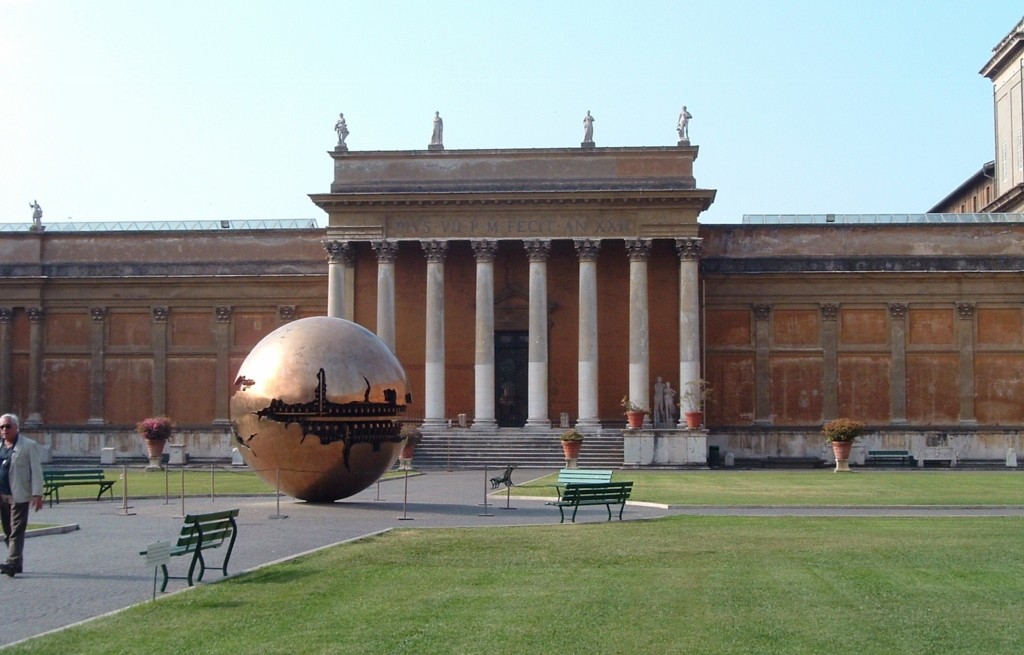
{"x": 965, "y": 341}
{"x": 830, "y": 361}
{"x": 339, "y": 261}
{"x": 586, "y": 251}
{"x": 158, "y": 335}
{"x": 898, "y": 370}
{"x": 483, "y": 363}
{"x": 762, "y": 365}
{"x": 222, "y": 341}
{"x": 689, "y": 314}
{"x": 97, "y": 341}
{"x": 35, "y": 366}
{"x": 434, "y": 392}
{"x": 6, "y": 354}
{"x": 639, "y": 251}
{"x": 537, "y": 251}
{"x": 387, "y": 254}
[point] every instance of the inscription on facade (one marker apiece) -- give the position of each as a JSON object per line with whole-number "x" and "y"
{"x": 510, "y": 228}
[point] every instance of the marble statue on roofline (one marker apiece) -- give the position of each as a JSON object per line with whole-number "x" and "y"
{"x": 588, "y": 129}
{"x": 342, "y": 129}
{"x": 683, "y": 125}
{"x": 437, "y": 136}
{"x": 37, "y": 213}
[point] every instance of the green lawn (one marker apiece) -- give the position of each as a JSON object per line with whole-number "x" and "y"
{"x": 815, "y": 487}
{"x": 708, "y": 585}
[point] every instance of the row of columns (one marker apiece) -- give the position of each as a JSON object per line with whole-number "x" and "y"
{"x": 341, "y": 284}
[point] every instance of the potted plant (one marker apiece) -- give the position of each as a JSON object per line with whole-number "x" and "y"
{"x": 412, "y": 436}
{"x": 635, "y": 412}
{"x": 696, "y": 394}
{"x": 155, "y": 431}
{"x": 572, "y": 441}
{"x": 841, "y": 433}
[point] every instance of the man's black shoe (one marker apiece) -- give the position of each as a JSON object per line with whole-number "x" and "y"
{"x": 8, "y": 570}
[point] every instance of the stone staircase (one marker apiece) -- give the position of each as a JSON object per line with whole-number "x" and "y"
{"x": 461, "y": 449}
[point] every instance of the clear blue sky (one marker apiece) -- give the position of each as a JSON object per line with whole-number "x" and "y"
{"x": 207, "y": 109}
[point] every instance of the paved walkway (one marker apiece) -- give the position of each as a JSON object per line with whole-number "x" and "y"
{"x": 82, "y": 574}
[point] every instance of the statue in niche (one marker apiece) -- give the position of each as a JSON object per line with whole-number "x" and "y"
{"x": 683, "y": 125}
{"x": 437, "y": 137}
{"x": 342, "y": 129}
{"x": 588, "y": 128}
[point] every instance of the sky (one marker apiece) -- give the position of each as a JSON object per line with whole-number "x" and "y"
{"x": 153, "y": 110}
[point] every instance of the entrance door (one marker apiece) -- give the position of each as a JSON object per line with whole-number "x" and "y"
{"x": 511, "y": 357}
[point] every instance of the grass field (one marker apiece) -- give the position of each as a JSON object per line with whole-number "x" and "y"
{"x": 815, "y": 487}
{"x": 811, "y": 487}
{"x": 709, "y": 585}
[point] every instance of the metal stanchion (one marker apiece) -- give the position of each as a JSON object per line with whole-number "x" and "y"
{"x": 485, "y": 503}
{"x": 378, "y": 498}
{"x": 167, "y": 485}
{"x": 213, "y": 485}
{"x": 508, "y": 496}
{"x": 124, "y": 491}
{"x": 405, "y": 500}
{"x": 182, "y": 494}
{"x": 277, "y": 496}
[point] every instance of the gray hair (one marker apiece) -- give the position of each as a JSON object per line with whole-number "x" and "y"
{"x": 13, "y": 419}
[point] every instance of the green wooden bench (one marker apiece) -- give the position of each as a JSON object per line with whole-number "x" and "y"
{"x": 582, "y": 476}
{"x": 54, "y": 479}
{"x": 200, "y": 533}
{"x": 901, "y": 457}
{"x": 592, "y": 493}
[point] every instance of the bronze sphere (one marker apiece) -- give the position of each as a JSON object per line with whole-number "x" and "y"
{"x": 316, "y": 404}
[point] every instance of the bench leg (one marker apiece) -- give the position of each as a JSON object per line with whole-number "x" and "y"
{"x": 167, "y": 577}
{"x": 609, "y": 508}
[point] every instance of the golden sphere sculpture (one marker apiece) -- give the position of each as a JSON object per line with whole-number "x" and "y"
{"x": 315, "y": 408}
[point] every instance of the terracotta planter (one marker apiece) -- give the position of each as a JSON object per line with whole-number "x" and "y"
{"x": 155, "y": 452}
{"x": 635, "y": 420}
{"x": 571, "y": 449}
{"x": 841, "y": 449}
{"x": 694, "y": 419}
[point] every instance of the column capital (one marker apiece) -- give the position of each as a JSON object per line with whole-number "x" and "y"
{"x": 484, "y": 249}
{"x": 587, "y": 249}
{"x": 223, "y": 313}
{"x": 537, "y": 250}
{"x": 338, "y": 252}
{"x": 387, "y": 251}
{"x": 638, "y": 250}
{"x": 829, "y": 310}
{"x": 160, "y": 313}
{"x": 98, "y": 314}
{"x": 689, "y": 248}
{"x": 897, "y": 309}
{"x": 435, "y": 250}
{"x": 6, "y": 314}
{"x": 965, "y": 310}
{"x": 35, "y": 314}
{"x": 762, "y": 312}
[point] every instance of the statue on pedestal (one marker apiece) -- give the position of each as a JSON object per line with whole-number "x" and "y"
{"x": 437, "y": 137}
{"x": 342, "y": 129}
{"x": 588, "y": 129}
{"x": 37, "y": 214}
{"x": 683, "y": 125}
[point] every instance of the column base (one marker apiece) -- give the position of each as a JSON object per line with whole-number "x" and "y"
{"x": 488, "y": 424}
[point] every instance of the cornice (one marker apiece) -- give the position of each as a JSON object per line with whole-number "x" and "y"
{"x": 701, "y": 198}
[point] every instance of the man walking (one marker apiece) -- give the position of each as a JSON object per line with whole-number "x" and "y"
{"x": 21, "y": 484}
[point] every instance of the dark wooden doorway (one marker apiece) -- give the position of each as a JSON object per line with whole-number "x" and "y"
{"x": 511, "y": 361}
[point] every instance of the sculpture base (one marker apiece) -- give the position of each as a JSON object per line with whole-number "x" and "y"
{"x": 435, "y": 146}
{"x": 665, "y": 448}
{"x": 683, "y": 142}
{"x": 341, "y": 147}
{"x": 588, "y": 144}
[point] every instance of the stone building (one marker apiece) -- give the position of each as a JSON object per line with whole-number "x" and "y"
{"x": 527, "y": 289}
